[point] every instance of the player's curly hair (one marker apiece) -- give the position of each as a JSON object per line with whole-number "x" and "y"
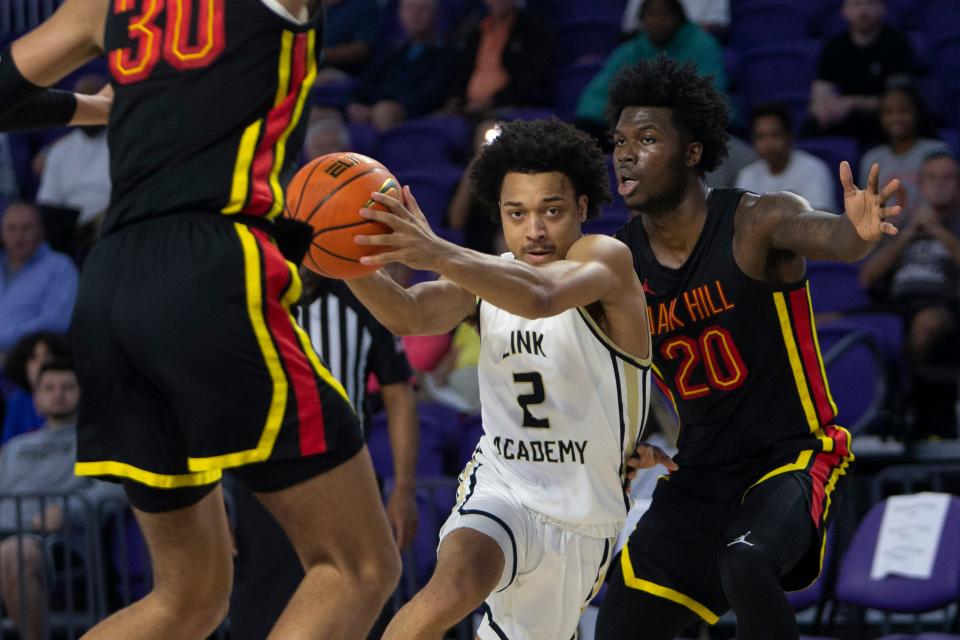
{"x": 541, "y": 146}
{"x": 699, "y": 110}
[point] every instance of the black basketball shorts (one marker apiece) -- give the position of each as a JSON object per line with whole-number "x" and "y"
{"x": 190, "y": 361}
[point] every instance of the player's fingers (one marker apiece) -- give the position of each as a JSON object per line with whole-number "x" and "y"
{"x": 889, "y": 229}
{"x": 382, "y": 258}
{"x": 846, "y": 179}
{"x": 661, "y": 457}
{"x": 387, "y": 239}
{"x": 391, "y": 203}
{"x": 873, "y": 179}
{"x": 890, "y": 212}
{"x": 890, "y": 190}
{"x": 385, "y": 217}
{"x": 411, "y": 201}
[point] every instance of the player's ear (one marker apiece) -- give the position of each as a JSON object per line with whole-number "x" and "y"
{"x": 694, "y": 151}
{"x": 582, "y": 203}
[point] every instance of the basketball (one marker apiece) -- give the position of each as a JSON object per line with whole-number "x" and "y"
{"x": 328, "y": 193}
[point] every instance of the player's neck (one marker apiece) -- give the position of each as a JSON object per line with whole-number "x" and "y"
{"x": 674, "y": 234}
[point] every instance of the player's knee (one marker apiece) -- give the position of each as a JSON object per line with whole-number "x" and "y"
{"x": 745, "y": 564}
{"x": 381, "y": 574}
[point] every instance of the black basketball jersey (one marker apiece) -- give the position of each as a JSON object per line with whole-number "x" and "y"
{"x": 210, "y": 98}
{"x": 738, "y": 358}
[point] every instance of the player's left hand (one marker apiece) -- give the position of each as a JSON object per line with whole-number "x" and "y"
{"x": 402, "y": 516}
{"x": 412, "y": 242}
{"x": 646, "y": 456}
{"x": 866, "y": 208}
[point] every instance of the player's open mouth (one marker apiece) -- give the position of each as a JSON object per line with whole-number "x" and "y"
{"x": 626, "y": 186}
{"x": 538, "y": 255}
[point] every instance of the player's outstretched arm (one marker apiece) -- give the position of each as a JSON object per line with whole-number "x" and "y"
{"x": 425, "y": 309}
{"x": 72, "y": 36}
{"x": 595, "y": 267}
{"x": 788, "y": 223}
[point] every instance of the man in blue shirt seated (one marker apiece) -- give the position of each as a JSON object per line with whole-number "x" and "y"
{"x": 41, "y": 462}
{"x": 408, "y": 79}
{"x": 38, "y": 286}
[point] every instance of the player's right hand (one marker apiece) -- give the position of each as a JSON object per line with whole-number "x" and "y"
{"x": 646, "y": 456}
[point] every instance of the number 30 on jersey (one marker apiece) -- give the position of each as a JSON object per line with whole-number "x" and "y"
{"x": 182, "y": 43}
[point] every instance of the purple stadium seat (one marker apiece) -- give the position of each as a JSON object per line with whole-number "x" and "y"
{"x": 611, "y": 10}
{"x": 893, "y": 593}
{"x": 430, "y": 452}
{"x": 856, "y": 370}
{"x": 470, "y": 431}
{"x": 756, "y": 23}
{"x": 587, "y": 39}
{"x": 946, "y": 55}
{"x": 364, "y": 138}
{"x": 433, "y": 188}
{"x": 569, "y": 83}
{"x": 333, "y": 94}
{"x": 834, "y": 286}
{"x": 940, "y": 17}
{"x": 832, "y": 150}
{"x": 952, "y": 138}
{"x": 445, "y": 420}
{"x": 524, "y": 113}
{"x": 424, "y": 142}
{"x": 777, "y": 68}
{"x": 435, "y": 498}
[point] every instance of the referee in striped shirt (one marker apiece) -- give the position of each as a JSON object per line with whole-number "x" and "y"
{"x": 353, "y": 345}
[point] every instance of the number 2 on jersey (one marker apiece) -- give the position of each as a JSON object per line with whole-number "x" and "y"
{"x": 537, "y": 396}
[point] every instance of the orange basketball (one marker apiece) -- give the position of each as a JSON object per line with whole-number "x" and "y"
{"x": 328, "y": 193}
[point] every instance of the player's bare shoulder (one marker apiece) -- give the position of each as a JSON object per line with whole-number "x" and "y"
{"x": 604, "y": 249}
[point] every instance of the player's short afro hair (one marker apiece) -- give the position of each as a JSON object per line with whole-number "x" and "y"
{"x": 542, "y": 146}
{"x": 699, "y": 110}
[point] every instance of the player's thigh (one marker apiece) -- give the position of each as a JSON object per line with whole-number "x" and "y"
{"x": 470, "y": 564}
{"x": 336, "y": 517}
{"x": 184, "y": 539}
{"x": 774, "y": 519}
{"x": 562, "y": 572}
{"x": 631, "y": 613}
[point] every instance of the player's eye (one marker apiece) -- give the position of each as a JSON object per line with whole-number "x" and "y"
{"x": 516, "y": 215}
{"x": 648, "y": 139}
{"x": 553, "y": 211}
{"x": 618, "y": 141}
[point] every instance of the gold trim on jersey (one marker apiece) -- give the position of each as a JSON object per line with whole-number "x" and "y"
{"x": 149, "y": 478}
{"x": 241, "y": 172}
{"x": 258, "y": 321}
{"x": 601, "y": 335}
{"x": 631, "y": 580}
{"x": 281, "y": 146}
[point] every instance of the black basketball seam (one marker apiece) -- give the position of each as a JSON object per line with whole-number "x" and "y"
{"x": 343, "y": 226}
{"x": 335, "y": 255}
{"x": 341, "y": 186}
{"x": 303, "y": 187}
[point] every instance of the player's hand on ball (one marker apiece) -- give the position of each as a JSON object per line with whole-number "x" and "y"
{"x": 412, "y": 242}
{"x": 647, "y": 456}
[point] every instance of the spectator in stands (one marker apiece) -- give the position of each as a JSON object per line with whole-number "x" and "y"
{"x": 481, "y": 232}
{"x": 325, "y": 135}
{"x": 408, "y": 79}
{"x": 909, "y": 132}
{"x": 22, "y": 367}
{"x": 38, "y": 286}
{"x": 42, "y": 462}
{"x": 666, "y": 30}
{"x": 853, "y": 69}
{"x": 351, "y": 33}
{"x": 76, "y": 172}
{"x": 353, "y": 345}
{"x": 709, "y": 15}
{"x": 917, "y": 273}
{"x": 502, "y": 59}
{"x": 781, "y": 167}
{"x": 739, "y": 155}
{"x": 455, "y": 381}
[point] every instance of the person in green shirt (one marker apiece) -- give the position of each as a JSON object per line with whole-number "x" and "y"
{"x": 666, "y": 30}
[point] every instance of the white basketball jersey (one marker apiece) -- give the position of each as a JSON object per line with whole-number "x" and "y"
{"x": 562, "y": 409}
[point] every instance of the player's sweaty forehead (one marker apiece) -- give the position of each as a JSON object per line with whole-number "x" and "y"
{"x": 536, "y": 190}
